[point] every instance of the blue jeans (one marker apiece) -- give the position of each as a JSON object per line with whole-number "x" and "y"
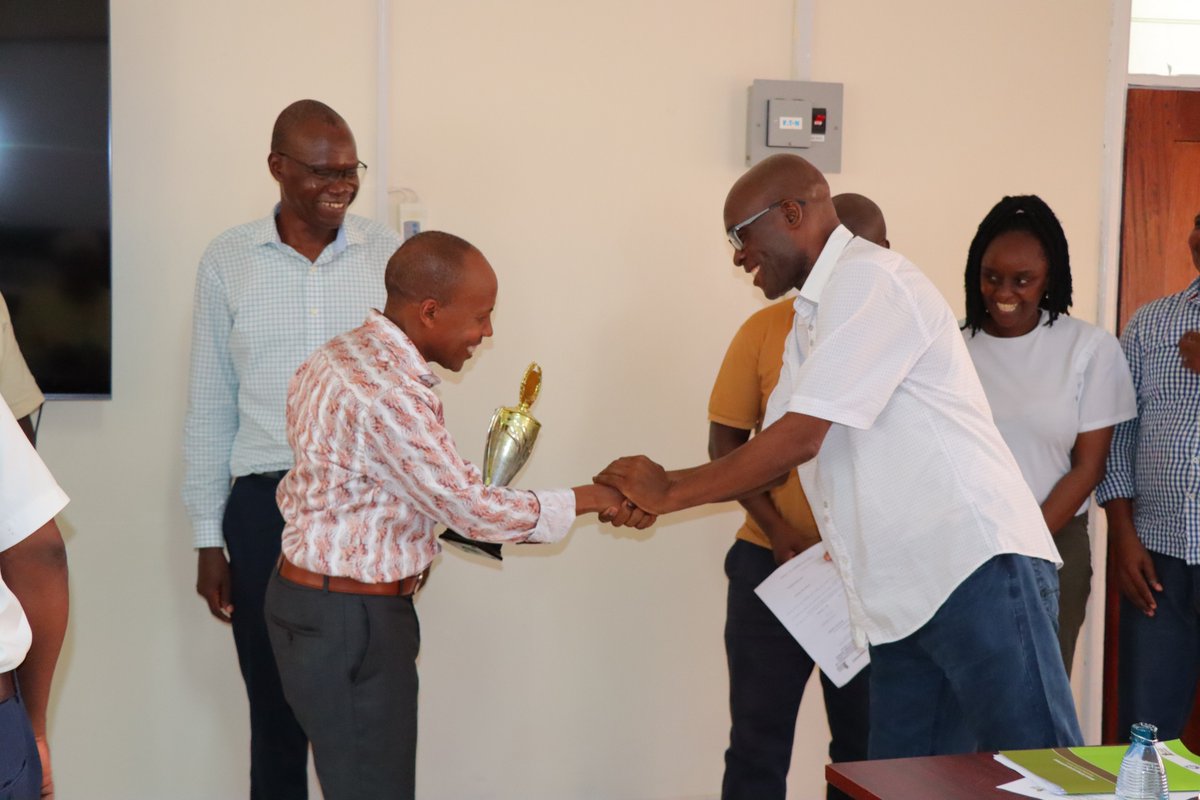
{"x": 1160, "y": 655}
{"x": 985, "y": 673}
{"x": 768, "y": 670}
{"x": 20, "y": 766}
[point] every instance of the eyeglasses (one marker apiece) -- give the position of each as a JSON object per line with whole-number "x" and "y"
{"x": 329, "y": 174}
{"x": 733, "y": 234}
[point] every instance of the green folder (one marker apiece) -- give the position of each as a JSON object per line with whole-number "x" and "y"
{"x": 1093, "y": 770}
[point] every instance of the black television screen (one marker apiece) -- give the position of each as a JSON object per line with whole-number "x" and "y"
{"x": 55, "y": 209}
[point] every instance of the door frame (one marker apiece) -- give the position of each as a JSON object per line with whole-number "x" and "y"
{"x": 1089, "y": 678}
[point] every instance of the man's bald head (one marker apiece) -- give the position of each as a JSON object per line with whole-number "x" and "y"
{"x": 427, "y": 265}
{"x": 783, "y": 215}
{"x": 301, "y": 113}
{"x": 862, "y": 216}
{"x": 780, "y": 176}
{"x": 441, "y": 293}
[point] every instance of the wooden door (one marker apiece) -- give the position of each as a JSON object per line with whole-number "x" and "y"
{"x": 1161, "y": 201}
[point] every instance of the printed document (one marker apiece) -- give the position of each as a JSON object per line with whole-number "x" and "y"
{"x": 807, "y": 596}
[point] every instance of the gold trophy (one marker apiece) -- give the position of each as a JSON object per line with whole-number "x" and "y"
{"x": 509, "y": 442}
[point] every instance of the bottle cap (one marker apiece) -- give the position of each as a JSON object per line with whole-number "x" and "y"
{"x": 1143, "y": 732}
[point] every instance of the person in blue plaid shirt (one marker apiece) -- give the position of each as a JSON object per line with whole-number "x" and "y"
{"x": 1149, "y": 495}
{"x": 268, "y": 294}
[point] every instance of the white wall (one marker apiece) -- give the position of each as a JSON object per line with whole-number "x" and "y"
{"x": 586, "y": 148}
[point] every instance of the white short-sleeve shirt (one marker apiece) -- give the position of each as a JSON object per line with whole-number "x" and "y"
{"x": 20, "y": 390}
{"x": 913, "y": 488}
{"x": 29, "y": 497}
{"x": 1047, "y": 387}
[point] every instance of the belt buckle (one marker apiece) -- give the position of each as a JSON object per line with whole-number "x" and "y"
{"x": 421, "y": 576}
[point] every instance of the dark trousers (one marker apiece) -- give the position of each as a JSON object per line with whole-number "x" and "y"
{"x": 767, "y": 673}
{"x": 349, "y": 668}
{"x": 1160, "y": 655}
{"x": 278, "y": 746}
{"x": 20, "y": 766}
{"x": 1074, "y": 584}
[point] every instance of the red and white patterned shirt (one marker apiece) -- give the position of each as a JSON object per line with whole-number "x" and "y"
{"x": 376, "y": 470}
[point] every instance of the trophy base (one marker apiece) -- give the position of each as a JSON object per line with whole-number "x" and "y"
{"x": 488, "y": 549}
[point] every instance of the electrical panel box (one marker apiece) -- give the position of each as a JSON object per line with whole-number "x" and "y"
{"x": 789, "y": 123}
{"x": 801, "y": 117}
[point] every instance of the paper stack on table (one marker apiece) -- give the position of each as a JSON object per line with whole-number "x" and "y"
{"x": 1085, "y": 773}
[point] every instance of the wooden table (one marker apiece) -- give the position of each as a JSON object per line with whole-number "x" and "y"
{"x": 966, "y": 777}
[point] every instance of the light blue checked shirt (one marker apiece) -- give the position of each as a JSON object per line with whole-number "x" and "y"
{"x": 1155, "y": 457}
{"x": 260, "y": 310}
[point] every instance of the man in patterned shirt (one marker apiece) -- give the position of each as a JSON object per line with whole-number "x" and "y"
{"x": 269, "y": 293}
{"x": 1149, "y": 495}
{"x": 376, "y": 473}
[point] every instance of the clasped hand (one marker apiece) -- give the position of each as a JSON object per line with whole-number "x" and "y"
{"x": 631, "y": 490}
{"x": 641, "y": 480}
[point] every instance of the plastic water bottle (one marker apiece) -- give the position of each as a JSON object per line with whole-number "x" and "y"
{"x": 1142, "y": 776}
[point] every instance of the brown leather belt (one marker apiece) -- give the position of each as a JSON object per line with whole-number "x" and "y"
{"x": 8, "y": 686}
{"x": 334, "y": 583}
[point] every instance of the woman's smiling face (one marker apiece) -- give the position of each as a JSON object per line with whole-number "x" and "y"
{"x": 1012, "y": 279}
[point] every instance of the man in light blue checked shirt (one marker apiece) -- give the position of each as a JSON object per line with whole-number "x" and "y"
{"x": 1150, "y": 496}
{"x": 269, "y": 293}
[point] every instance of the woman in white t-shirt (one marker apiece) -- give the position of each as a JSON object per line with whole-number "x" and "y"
{"x": 1057, "y": 386}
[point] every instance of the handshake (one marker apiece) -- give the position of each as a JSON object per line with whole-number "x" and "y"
{"x": 630, "y": 492}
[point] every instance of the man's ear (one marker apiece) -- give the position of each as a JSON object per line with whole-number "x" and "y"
{"x": 275, "y": 165}
{"x": 427, "y": 312}
{"x": 793, "y": 213}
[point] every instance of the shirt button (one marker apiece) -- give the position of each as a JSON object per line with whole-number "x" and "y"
{"x": 312, "y": 312}
{"x": 1191, "y": 496}
{"x": 1196, "y": 459}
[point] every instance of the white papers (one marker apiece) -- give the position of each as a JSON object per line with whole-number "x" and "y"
{"x": 806, "y": 595}
{"x": 1031, "y": 785}
{"x": 1027, "y": 787}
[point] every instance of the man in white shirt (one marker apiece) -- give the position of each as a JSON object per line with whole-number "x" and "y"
{"x": 33, "y": 611}
{"x": 17, "y": 385}
{"x": 948, "y": 566}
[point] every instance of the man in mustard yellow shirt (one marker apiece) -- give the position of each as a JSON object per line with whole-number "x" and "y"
{"x": 767, "y": 667}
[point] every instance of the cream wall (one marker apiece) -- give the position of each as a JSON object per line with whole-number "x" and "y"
{"x": 586, "y": 148}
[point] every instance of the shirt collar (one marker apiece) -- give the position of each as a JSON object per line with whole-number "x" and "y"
{"x": 269, "y": 234}
{"x": 1192, "y": 292}
{"x": 401, "y": 348}
{"x": 818, "y": 276}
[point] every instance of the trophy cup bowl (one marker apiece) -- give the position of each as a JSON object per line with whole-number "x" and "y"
{"x": 509, "y": 443}
{"x": 510, "y": 439}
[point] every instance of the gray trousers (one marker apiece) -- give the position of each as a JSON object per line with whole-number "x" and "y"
{"x": 348, "y": 666}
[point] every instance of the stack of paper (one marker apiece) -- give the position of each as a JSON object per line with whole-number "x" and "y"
{"x": 1091, "y": 772}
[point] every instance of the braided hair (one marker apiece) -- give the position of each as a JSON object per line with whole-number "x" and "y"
{"x": 1027, "y": 213}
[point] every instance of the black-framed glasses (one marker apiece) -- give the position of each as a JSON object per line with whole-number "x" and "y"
{"x": 329, "y": 174}
{"x": 734, "y": 233}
